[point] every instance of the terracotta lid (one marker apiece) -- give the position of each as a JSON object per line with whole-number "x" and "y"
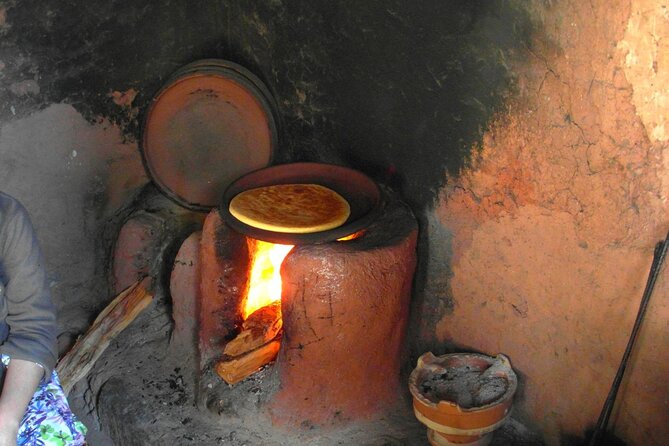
{"x": 211, "y": 123}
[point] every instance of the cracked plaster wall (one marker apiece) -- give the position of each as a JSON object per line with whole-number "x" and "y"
{"x": 552, "y": 227}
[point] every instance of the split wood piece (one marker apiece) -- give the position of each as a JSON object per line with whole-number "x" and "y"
{"x": 258, "y": 329}
{"x": 114, "y": 318}
{"x": 233, "y": 370}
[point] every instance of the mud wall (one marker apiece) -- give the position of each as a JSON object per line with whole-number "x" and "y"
{"x": 552, "y": 227}
{"x": 528, "y": 138}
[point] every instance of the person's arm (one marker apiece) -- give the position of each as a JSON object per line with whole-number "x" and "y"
{"x": 31, "y": 315}
{"x": 21, "y": 380}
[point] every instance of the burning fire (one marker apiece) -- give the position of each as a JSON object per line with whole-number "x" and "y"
{"x": 353, "y": 236}
{"x": 265, "y": 277}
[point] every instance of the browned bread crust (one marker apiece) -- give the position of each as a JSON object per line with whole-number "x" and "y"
{"x": 291, "y": 208}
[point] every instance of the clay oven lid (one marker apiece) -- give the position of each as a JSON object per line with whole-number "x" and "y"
{"x": 211, "y": 123}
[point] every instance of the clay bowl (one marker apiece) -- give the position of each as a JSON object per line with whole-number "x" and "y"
{"x": 362, "y": 193}
{"x": 447, "y": 422}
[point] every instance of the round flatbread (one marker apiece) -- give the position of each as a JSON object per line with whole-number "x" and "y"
{"x": 291, "y": 208}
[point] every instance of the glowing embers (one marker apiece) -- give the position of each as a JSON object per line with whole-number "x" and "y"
{"x": 265, "y": 276}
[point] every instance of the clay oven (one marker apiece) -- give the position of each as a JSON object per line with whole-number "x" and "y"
{"x": 345, "y": 308}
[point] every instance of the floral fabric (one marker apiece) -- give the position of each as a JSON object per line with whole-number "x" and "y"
{"x": 48, "y": 421}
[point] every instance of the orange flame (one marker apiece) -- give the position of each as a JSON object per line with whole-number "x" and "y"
{"x": 265, "y": 277}
{"x": 353, "y": 236}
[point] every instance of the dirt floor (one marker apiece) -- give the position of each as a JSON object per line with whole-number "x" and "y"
{"x": 142, "y": 392}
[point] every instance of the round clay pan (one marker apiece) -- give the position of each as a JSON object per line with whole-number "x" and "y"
{"x": 362, "y": 193}
{"x": 211, "y": 123}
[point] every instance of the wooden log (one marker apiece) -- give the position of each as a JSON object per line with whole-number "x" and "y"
{"x": 110, "y": 322}
{"x": 258, "y": 329}
{"x": 233, "y": 370}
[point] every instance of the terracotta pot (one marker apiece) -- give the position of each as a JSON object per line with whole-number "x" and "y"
{"x": 448, "y": 423}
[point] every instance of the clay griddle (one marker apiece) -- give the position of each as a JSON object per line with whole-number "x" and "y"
{"x": 362, "y": 193}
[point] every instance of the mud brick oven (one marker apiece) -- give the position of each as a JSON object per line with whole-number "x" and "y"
{"x": 523, "y": 148}
{"x": 345, "y": 310}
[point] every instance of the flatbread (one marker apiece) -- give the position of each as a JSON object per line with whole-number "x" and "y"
{"x": 291, "y": 208}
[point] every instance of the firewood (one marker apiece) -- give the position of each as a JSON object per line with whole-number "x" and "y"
{"x": 233, "y": 370}
{"x": 258, "y": 329}
{"x": 110, "y": 322}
